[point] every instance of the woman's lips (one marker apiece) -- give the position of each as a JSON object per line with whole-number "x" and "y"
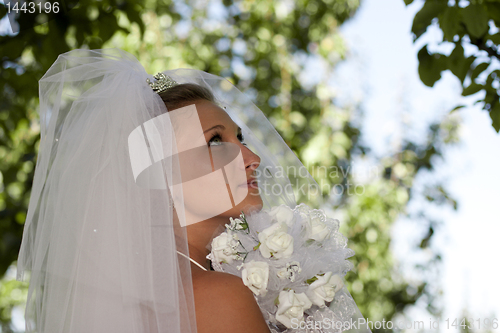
{"x": 251, "y": 183}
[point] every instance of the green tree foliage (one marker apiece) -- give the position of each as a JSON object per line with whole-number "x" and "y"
{"x": 12, "y": 294}
{"x": 264, "y": 48}
{"x": 471, "y": 28}
{"x": 467, "y": 323}
{"x": 25, "y": 57}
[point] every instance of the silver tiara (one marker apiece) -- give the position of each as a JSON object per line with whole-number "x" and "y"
{"x": 162, "y": 83}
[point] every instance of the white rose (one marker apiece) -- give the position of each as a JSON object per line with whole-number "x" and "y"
{"x": 324, "y": 288}
{"x": 317, "y": 229}
{"x": 224, "y": 248}
{"x": 291, "y": 305}
{"x": 255, "y": 276}
{"x": 282, "y": 214}
{"x": 276, "y": 242}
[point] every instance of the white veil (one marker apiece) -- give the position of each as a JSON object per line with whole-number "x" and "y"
{"x": 101, "y": 251}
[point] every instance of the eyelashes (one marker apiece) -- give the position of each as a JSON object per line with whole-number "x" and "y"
{"x": 242, "y": 139}
{"x": 216, "y": 139}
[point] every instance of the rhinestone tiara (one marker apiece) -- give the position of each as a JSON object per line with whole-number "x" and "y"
{"x": 162, "y": 83}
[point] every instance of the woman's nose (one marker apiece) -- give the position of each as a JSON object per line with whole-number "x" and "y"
{"x": 251, "y": 160}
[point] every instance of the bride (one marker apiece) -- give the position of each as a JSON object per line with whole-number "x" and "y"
{"x": 222, "y": 302}
{"x": 134, "y": 178}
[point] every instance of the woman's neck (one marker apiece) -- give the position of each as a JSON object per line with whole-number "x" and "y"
{"x": 200, "y": 236}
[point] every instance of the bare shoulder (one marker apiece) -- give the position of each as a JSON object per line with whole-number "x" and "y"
{"x": 224, "y": 304}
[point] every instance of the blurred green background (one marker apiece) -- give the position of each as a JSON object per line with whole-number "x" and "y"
{"x": 263, "y": 47}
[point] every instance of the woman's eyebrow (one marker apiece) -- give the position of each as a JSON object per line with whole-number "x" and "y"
{"x": 214, "y": 127}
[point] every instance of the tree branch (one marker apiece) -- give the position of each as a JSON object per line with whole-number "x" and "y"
{"x": 491, "y": 50}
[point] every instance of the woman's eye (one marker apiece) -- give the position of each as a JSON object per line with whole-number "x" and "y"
{"x": 215, "y": 141}
{"x": 242, "y": 140}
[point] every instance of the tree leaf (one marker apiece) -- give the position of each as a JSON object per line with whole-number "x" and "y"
{"x": 108, "y": 25}
{"x": 478, "y": 70}
{"x": 495, "y": 116}
{"x": 475, "y": 18}
{"x": 494, "y": 75}
{"x": 424, "y": 17}
{"x": 450, "y": 22}
{"x": 458, "y": 64}
{"x": 458, "y": 107}
{"x": 493, "y": 10}
{"x": 495, "y": 38}
{"x": 472, "y": 89}
{"x": 135, "y": 17}
{"x": 430, "y": 66}
{"x": 3, "y": 10}
{"x": 490, "y": 98}
{"x": 407, "y": 2}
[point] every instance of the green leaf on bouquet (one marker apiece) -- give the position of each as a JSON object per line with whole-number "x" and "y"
{"x": 256, "y": 247}
{"x": 309, "y": 242}
{"x": 311, "y": 280}
{"x": 243, "y": 217}
{"x": 244, "y": 225}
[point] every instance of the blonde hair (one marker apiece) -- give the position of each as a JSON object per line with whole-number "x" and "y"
{"x": 184, "y": 94}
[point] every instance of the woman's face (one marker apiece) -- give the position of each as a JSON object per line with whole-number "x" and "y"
{"x": 218, "y": 180}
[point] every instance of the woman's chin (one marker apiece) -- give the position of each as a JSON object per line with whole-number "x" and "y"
{"x": 251, "y": 209}
{"x": 251, "y": 204}
{"x": 254, "y": 206}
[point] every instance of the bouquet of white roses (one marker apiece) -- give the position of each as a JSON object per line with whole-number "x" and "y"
{"x": 293, "y": 260}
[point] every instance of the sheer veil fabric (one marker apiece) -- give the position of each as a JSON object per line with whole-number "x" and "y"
{"x": 101, "y": 250}
{"x": 100, "y": 244}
